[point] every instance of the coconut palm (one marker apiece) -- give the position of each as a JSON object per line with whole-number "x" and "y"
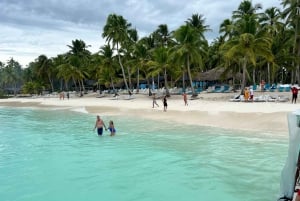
{"x": 161, "y": 58}
{"x": 188, "y": 50}
{"x": 44, "y": 67}
{"x": 270, "y": 20}
{"x": 12, "y": 75}
{"x": 116, "y": 32}
{"x": 227, "y": 28}
{"x": 108, "y": 64}
{"x": 291, "y": 13}
{"x": 198, "y": 22}
{"x": 79, "y": 58}
{"x": 248, "y": 47}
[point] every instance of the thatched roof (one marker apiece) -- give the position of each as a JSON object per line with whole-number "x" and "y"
{"x": 217, "y": 74}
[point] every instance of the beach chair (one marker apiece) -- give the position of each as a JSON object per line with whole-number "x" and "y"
{"x": 226, "y": 89}
{"x": 236, "y": 98}
{"x": 218, "y": 89}
{"x": 261, "y": 98}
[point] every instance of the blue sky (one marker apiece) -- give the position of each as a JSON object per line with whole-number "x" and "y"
{"x": 30, "y": 28}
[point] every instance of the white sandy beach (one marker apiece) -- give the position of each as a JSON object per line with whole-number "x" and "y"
{"x": 211, "y": 109}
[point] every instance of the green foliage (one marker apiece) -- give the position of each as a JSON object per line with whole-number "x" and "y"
{"x": 32, "y": 88}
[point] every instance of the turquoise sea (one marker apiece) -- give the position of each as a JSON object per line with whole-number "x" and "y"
{"x": 54, "y": 155}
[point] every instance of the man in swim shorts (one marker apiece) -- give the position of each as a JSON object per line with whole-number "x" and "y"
{"x": 99, "y": 125}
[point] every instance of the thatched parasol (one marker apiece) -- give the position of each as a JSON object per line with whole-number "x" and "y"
{"x": 217, "y": 74}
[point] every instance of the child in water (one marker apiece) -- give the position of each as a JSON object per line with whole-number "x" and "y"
{"x": 111, "y": 128}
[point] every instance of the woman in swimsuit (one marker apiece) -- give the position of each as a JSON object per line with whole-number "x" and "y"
{"x": 111, "y": 128}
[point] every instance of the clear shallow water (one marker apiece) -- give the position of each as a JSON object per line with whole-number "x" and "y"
{"x": 55, "y": 155}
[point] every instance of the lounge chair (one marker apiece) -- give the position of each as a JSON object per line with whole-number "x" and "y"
{"x": 236, "y": 98}
{"x": 260, "y": 99}
{"x": 283, "y": 99}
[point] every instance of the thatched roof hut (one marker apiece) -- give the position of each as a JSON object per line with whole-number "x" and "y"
{"x": 217, "y": 74}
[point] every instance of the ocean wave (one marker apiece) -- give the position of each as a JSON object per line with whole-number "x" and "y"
{"x": 81, "y": 110}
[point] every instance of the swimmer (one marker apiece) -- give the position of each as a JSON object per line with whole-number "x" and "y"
{"x": 99, "y": 125}
{"x": 111, "y": 128}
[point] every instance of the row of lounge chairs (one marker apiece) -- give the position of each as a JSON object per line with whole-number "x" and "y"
{"x": 219, "y": 89}
{"x": 262, "y": 98}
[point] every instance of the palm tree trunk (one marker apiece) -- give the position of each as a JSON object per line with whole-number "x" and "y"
{"x": 138, "y": 81}
{"x": 123, "y": 72}
{"x": 112, "y": 84}
{"x": 129, "y": 78}
{"x": 269, "y": 74}
{"x": 166, "y": 83}
{"x": 82, "y": 84}
{"x": 190, "y": 77}
{"x": 51, "y": 82}
{"x": 244, "y": 74}
{"x": 253, "y": 76}
{"x": 183, "y": 77}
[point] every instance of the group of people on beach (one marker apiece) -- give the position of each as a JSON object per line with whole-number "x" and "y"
{"x": 100, "y": 124}
{"x": 164, "y": 100}
{"x": 248, "y": 94}
{"x": 62, "y": 95}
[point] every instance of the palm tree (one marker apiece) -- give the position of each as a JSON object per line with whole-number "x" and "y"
{"x": 79, "y": 58}
{"x": 108, "y": 64}
{"x": 161, "y": 58}
{"x": 140, "y": 58}
{"x": 227, "y": 28}
{"x": 248, "y": 47}
{"x": 270, "y": 20}
{"x": 187, "y": 51}
{"x": 163, "y": 36}
{"x": 12, "y": 74}
{"x": 292, "y": 15}
{"x": 198, "y": 22}
{"x": 44, "y": 67}
{"x": 116, "y": 32}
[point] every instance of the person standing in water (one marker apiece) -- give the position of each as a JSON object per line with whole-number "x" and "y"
{"x": 111, "y": 128}
{"x": 99, "y": 125}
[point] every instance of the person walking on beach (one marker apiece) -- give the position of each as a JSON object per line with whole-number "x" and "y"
{"x": 165, "y": 103}
{"x": 294, "y": 94}
{"x": 185, "y": 98}
{"x": 111, "y": 128}
{"x": 154, "y": 101}
{"x": 99, "y": 125}
{"x": 68, "y": 95}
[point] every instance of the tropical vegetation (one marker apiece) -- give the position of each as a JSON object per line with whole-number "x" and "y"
{"x": 259, "y": 45}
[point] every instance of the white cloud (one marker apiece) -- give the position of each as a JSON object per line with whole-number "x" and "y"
{"x": 31, "y": 28}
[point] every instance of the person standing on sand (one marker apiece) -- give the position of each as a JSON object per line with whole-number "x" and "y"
{"x": 154, "y": 101}
{"x": 246, "y": 94}
{"x": 251, "y": 93}
{"x": 165, "y": 103}
{"x": 99, "y": 125}
{"x": 185, "y": 98}
{"x": 294, "y": 94}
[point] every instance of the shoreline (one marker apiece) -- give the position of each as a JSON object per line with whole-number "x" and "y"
{"x": 210, "y": 110}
